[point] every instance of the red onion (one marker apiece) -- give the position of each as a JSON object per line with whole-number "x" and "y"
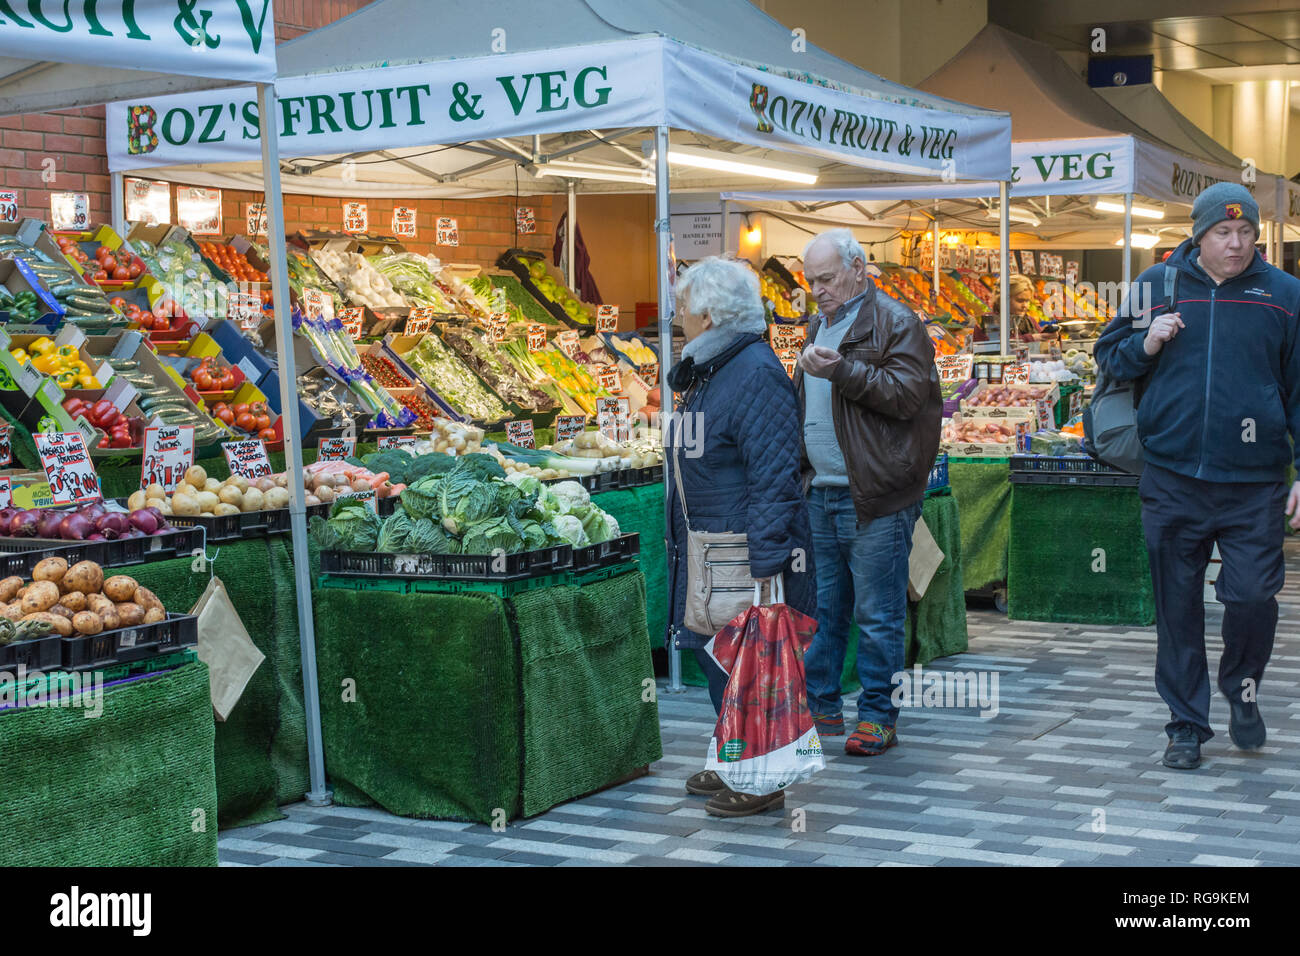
{"x": 132, "y": 533}
{"x": 144, "y": 521}
{"x": 114, "y": 521}
{"x": 75, "y": 527}
{"x": 92, "y": 510}
{"x": 6, "y": 516}
{"x": 96, "y": 537}
{"x": 23, "y": 524}
{"x": 48, "y": 525}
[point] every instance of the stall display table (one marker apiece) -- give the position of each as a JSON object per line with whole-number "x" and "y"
{"x": 469, "y": 705}
{"x": 983, "y": 493}
{"x": 1078, "y": 554}
{"x": 133, "y": 786}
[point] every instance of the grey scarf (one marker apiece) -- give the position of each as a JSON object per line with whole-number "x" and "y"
{"x": 711, "y": 343}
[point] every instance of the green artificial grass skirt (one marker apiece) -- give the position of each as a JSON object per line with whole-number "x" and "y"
{"x": 132, "y": 787}
{"x": 1078, "y": 555}
{"x": 983, "y": 493}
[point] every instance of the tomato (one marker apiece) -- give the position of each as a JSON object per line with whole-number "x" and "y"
{"x": 203, "y": 380}
{"x": 134, "y": 270}
{"x": 103, "y": 251}
{"x": 267, "y": 434}
{"x": 241, "y": 408}
{"x": 117, "y": 302}
{"x": 261, "y": 422}
{"x": 226, "y": 416}
{"x": 101, "y": 276}
{"x": 245, "y": 422}
{"x": 108, "y": 262}
{"x": 121, "y": 273}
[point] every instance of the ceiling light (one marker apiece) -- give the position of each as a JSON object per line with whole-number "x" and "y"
{"x": 1018, "y": 214}
{"x": 753, "y": 232}
{"x": 612, "y": 174}
{"x": 1140, "y": 241}
{"x": 1147, "y": 212}
{"x": 725, "y": 163}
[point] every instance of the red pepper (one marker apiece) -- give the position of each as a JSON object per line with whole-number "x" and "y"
{"x": 102, "y": 414}
{"x": 121, "y": 441}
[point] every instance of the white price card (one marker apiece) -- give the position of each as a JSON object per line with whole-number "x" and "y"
{"x": 247, "y": 458}
{"x": 404, "y": 222}
{"x": 567, "y": 342}
{"x": 368, "y": 496}
{"x": 536, "y": 338}
{"x": 606, "y": 318}
{"x": 335, "y": 449}
{"x": 6, "y": 445}
{"x": 255, "y": 218}
{"x": 419, "y": 321}
{"x": 520, "y": 434}
{"x": 497, "y": 323}
{"x": 352, "y": 320}
{"x": 954, "y": 368}
{"x": 67, "y": 467}
{"x": 355, "y": 218}
{"x": 244, "y": 309}
{"x": 6, "y": 492}
{"x": 568, "y": 427}
{"x": 396, "y": 441}
{"x": 609, "y": 379}
{"x": 29, "y": 380}
{"x": 69, "y": 211}
{"x": 313, "y": 303}
{"x": 649, "y": 373}
{"x": 448, "y": 233}
{"x": 789, "y": 359}
{"x": 8, "y": 206}
{"x": 168, "y": 454}
{"x": 1016, "y": 374}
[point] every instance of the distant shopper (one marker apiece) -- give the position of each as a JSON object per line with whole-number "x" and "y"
{"x": 1021, "y": 323}
{"x": 737, "y": 439}
{"x": 872, "y": 413}
{"x": 1223, "y": 394}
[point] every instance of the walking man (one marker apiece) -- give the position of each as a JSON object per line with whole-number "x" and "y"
{"x": 871, "y": 420}
{"x": 1222, "y": 395}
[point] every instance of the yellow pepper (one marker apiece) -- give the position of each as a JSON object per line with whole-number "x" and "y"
{"x": 42, "y": 346}
{"x": 21, "y": 356}
{"x": 68, "y": 352}
{"x": 86, "y": 380}
{"x": 49, "y": 364}
{"x": 66, "y": 379}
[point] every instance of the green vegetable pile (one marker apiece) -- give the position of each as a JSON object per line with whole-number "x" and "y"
{"x": 470, "y": 509}
{"x": 405, "y": 469}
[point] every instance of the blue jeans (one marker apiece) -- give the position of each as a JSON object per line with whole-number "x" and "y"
{"x": 862, "y": 577}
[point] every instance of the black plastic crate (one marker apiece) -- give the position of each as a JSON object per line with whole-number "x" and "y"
{"x": 938, "y": 475}
{"x": 41, "y": 654}
{"x": 466, "y": 567}
{"x": 21, "y": 555}
{"x": 639, "y": 477}
{"x": 618, "y": 550}
{"x": 246, "y": 524}
{"x": 386, "y": 507}
{"x": 1068, "y": 470}
{"x": 127, "y": 644}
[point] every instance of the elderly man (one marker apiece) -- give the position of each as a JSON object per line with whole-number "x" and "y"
{"x": 872, "y": 411}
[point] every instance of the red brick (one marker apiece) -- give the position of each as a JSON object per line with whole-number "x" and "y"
{"x": 83, "y": 126}
{"x": 81, "y": 163}
{"x": 11, "y": 122}
{"x": 16, "y": 139}
{"x": 43, "y": 123}
{"x": 24, "y": 179}
{"x": 99, "y": 183}
{"x": 58, "y": 143}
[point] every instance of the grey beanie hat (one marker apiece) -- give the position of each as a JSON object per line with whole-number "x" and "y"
{"x": 1223, "y": 201}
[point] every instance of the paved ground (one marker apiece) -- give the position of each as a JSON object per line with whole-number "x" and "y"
{"x": 1067, "y": 773}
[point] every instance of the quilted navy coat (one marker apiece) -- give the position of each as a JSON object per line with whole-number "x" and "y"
{"x": 741, "y": 412}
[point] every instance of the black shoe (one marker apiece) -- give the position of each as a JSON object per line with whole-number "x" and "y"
{"x": 1184, "y": 750}
{"x": 1245, "y": 725}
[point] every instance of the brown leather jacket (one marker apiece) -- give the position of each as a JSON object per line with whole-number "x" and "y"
{"x": 886, "y": 404}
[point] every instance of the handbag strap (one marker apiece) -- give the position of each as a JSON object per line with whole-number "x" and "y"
{"x": 677, "y": 475}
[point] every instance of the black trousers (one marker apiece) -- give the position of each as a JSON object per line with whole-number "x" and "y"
{"x": 1183, "y": 519}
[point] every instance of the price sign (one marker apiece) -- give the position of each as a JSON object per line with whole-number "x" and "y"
{"x": 1076, "y": 402}
{"x": 69, "y": 211}
{"x": 355, "y": 218}
{"x": 335, "y": 449}
{"x": 497, "y": 323}
{"x": 612, "y": 418}
{"x": 982, "y": 260}
{"x": 6, "y": 492}
{"x": 567, "y": 342}
{"x": 649, "y": 373}
{"x": 1016, "y": 374}
{"x": 954, "y": 368}
{"x": 789, "y": 359}
{"x": 1072, "y": 272}
{"x": 244, "y": 309}
{"x": 368, "y": 496}
{"x": 404, "y": 222}
{"x": 568, "y": 427}
{"x": 313, "y": 303}
{"x": 1027, "y": 262}
{"x": 789, "y": 336}
{"x": 8, "y": 206}
{"x": 419, "y": 321}
{"x": 67, "y": 467}
{"x": 168, "y": 454}
{"x": 255, "y": 219}
{"x": 396, "y": 441}
{"x": 6, "y": 445}
{"x": 247, "y": 458}
{"x": 199, "y": 210}
{"x": 536, "y": 337}
{"x": 29, "y": 380}
{"x": 520, "y": 433}
{"x": 606, "y": 318}
{"x": 351, "y": 319}
{"x": 447, "y": 233}
{"x": 608, "y": 378}
{"x": 525, "y": 221}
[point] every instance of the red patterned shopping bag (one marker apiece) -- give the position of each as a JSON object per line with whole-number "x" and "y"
{"x": 764, "y": 739}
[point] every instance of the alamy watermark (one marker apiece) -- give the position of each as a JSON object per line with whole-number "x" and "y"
{"x": 82, "y": 690}
{"x": 947, "y": 690}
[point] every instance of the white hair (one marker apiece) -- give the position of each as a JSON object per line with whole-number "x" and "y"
{"x": 842, "y": 241}
{"x": 727, "y": 291}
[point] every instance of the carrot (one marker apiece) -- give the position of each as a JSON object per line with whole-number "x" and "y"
{"x": 378, "y": 480}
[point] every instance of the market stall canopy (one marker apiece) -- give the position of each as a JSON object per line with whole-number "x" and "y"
{"x": 110, "y": 49}
{"x": 1147, "y": 107}
{"x": 403, "y": 75}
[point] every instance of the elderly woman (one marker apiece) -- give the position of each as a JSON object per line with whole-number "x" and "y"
{"x": 738, "y": 434}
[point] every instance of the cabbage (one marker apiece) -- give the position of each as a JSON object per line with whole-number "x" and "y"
{"x": 420, "y": 500}
{"x": 494, "y": 534}
{"x": 464, "y": 499}
{"x": 531, "y": 534}
{"x": 320, "y": 533}
{"x": 525, "y": 483}
{"x": 428, "y": 538}
{"x": 394, "y": 533}
{"x": 570, "y": 530}
{"x": 355, "y": 525}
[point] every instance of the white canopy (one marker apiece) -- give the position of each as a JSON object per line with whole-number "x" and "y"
{"x": 109, "y": 49}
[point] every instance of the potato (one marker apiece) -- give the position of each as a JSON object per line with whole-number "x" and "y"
{"x": 212, "y": 485}
{"x": 279, "y": 498}
{"x": 120, "y": 587}
{"x": 130, "y": 614}
{"x": 61, "y": 611}
{"x": 185, "y": 488}
{"x": 87, "y": 622}
{"x": 61, "y": 625}
{"x": 51, "y": 569}
{"x": 165, "y": 507}
{"x": 12, "y": 611}
{"x": 84, "y": 576}
{"x": 239, "y": 481}
{"x": 231, "y": 495}
{"x": 137, "y": 500}
{"x": 263, "y": 484}
{"x": 155, "y": 491}
{"x": 98, "y": 604}
{"x": 225, "y": 509}
{"x": 74, "y": 601}
{"x": 147, "y": 599}
{"x": 154, "y": 615}
{"x": 196, "y": 476}
{"x": 112, "y": 621}
{"x": 22, "y": 592}
{"x": 9, "y": 588}
{"x": 185, "y": 504}
{"x": 207, "y": 501}
{"x": 253, "y": 500}
{"x": 308, "y": 501}
{"x": 40, "y": 596}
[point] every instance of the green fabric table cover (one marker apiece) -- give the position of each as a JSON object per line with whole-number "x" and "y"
{"x": 502, "y": 707}
{"x": 983, "y": 493}
{"x": 1078, "y": 555}
{"x": 261, "y": 751}
{"x": 134, "y": 786}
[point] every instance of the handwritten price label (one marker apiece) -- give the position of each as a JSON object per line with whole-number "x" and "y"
{"x": 1016, "y": 374}
{"x": 69, "y": 211}
{"x": 649, "y": 373}
{"x": 351, "y": 319}
{"x": 255, "y": 219}
{"x": 244, "y": 309}
{"x": 168, "y": 454}
{"x": 788, "y": 336}
{"x": 67, "y": 467}
{"x": 335, "y": 449}
{"x": 404, "y": 222}
{"x": 368, "y": 496}
{"x": 247, "y": 458}
{"x": 6, "y": 445}
{"x": 612, "y": 418}
{"x": 536, "y": 338}
{"x": 520, "y": 433}
{"x": 396, "y": 441}
{"x": 954, "y": 368}
{"x": 607, "y": 318}
{"x": 6, "y": 492}
{"x": 567, "y": 342}
{"x": 419, "y": 321}
{"x": 609, "y": 379}
{"x": 447, "y": 232}
{"x": 789, "y": 359}
{"x": 497, "y": 323}
{"x": 313, "y": 303}
{"x": 8, "y": 206}
{"x": 355, "y": 218}
{"x": 568, "y": 427}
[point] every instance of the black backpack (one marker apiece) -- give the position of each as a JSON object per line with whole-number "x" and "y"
{"x": 1110, "y": 420}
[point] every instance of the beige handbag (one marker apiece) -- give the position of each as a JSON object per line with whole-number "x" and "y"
{"x": 718, "y": 583}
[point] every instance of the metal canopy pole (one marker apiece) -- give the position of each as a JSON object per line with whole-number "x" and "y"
{"x": 935, "y": 291}
{"x": 1004, "y": 267}
{"x": 569, "y": 232}
{"x": 726, "y": 214}
{"x": 664, "y": 236}
{"x": 117, "y": 203}
{"x": 266, "y": 105}
{"x": 1128, "y": 240}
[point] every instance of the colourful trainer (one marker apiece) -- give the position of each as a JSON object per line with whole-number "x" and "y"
{"x": 829, "y": 725}
{"x": 870, "y": 739}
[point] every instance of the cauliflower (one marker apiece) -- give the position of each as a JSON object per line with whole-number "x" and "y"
{"x": 570, "y": 496}
{"x": 570, "y": 529}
